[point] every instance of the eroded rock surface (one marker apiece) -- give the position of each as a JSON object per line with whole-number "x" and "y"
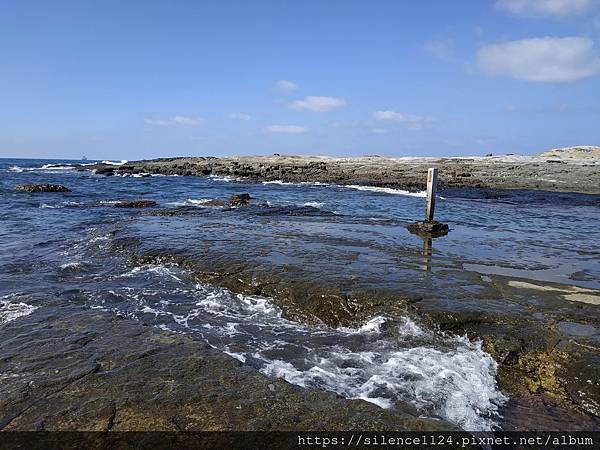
{"x": 68, "y": 368}
{"x": 508, "y": 172}
{"x": 134, "y": 204}
{"x": 548, "y": 347}
{"x": 41, "y": 188}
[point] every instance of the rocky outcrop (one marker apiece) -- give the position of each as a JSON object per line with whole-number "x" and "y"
{"x": 497, "y": 172}
{"x": 134, "y": 204}
{"x": 102, "y": 372}
{"x": 547, "y": 348}
{"x": 42, "y": 188}
{"x": 429, "y": 228}
{"x": 589, "y": 152}
{"x": 240, "y": 199}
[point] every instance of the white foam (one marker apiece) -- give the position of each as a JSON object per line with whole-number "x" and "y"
{"x": 225, "y": 178}
{"x": 71, "y": 265}
{"x": 384, "y": 190}
{"x": 198, "y": 202}
{"x": 156, "y": 269}
{"x": 46, "y": 167}
{"x": 54, "y": 167}
{"x": 372, "y": 326}
{"x": 301, "y": 183}
{"x": 114, "y": 163}
{"x": 280, "y": 182}
{"x": 11, "y": 310}
{"x": 314, "y": 204}
{"x": 383, "y": 361}
{"x": 59, "y": 205}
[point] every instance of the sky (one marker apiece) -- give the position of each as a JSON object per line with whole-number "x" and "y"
{"x": 142, "y": 79}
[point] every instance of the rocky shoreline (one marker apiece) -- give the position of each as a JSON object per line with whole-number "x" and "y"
{"x": 502, "y": 172}
{"x": 544, "y": 336}
{"x": 547, "y": 354}
{"x": 62, "y": 370}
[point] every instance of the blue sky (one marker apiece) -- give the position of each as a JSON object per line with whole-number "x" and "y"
{"x": 140, "y": 79}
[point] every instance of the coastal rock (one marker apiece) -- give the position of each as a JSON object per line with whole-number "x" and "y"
{"x": 337, "y": 290}
{"x": 105, "y": 373}
{"x": 134, "y": 204}
{"x": 42, "y": 188}
{"x": 410, "y": 174}
{"x": 240, "y": 199}
{"x": 429, "y": 228}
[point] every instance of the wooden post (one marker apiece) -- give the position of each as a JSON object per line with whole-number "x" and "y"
{"x": 431, "y": 188}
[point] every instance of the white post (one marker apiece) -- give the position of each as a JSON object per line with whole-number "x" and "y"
{"x": 431, "y": 188}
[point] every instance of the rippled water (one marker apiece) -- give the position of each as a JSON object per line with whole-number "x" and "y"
{"x": 56, "y": 243}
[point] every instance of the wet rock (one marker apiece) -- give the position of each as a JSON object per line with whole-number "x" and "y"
{"x": 68, "y": 368}
{"x": 42, "y": 188}
{"x": 492, "y": 173}
{"x": 240, "y": 199}
{"x": 322, "y": 286}
{"x": 429, "y": 228}
{"x": 134, "y": 204}
{"x": 105, "y": 170}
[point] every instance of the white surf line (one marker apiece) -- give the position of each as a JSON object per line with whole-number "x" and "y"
{"x": 382, "y": 190}
{"x": 383, "y": 361}
{"x": 11, "y": 310}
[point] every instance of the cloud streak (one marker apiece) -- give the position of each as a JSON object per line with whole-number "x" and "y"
{"x": 239, "y": 116}
{"x": 393, "y": 116}
{"x": 285, "y": 85}
{"x": 318, "y": 103}
{"x": 177, "y": 120}
{"x": 543, "y": 60}
{"x": 439, "y": 47}
{"x": 546, "y": 8}
{"x": 286, "y": 129}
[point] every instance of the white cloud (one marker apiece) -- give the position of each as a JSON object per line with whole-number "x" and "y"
{"x": 546, "y": 8}
{"x": 393, "y": 116}
{"x": 239, "y": 116}
{"x": 440, "y": 47}
{"x": 318, "y": 104}
{"x": 286, "y": 85}
{"x": 288, "y": 129}
{"x": 177, "y": 120}
{"x": 546, "y": 60}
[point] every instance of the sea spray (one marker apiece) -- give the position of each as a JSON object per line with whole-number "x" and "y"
{"x": 384, "y": 361}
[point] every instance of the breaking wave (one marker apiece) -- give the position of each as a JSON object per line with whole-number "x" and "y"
{"x": 384, "y": 190}
{"x": 383, "y": 362}
{"x": 11, "y": 310}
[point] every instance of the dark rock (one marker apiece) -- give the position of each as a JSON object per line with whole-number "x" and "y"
{"x": 42, "y": 188}
{"x": 105, "y": 170}
{"x": 240, "y": 199}
{"x": 106, "y": 373}
{"x": 135, "y": 204}
{"x": 429, "y": 228}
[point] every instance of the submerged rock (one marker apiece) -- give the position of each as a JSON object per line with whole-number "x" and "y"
{"x": 42, "y": 188}
{"x": 240, "y": 199}
{"x": 134, "y": 204}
